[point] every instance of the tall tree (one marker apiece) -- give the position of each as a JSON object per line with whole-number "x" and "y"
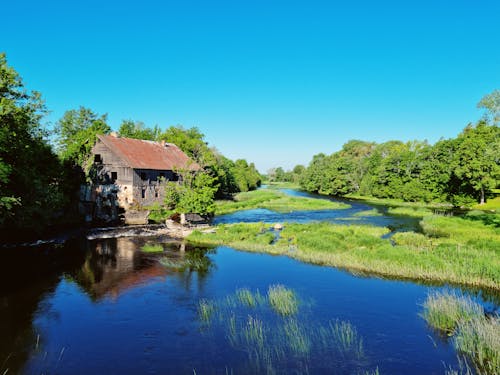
{"x": 77, "y": 133}
{"x": 478, "y": 157}
{"x": 138, "y": 130}
{"x": 31, "y": 185}
{"x": 491, "y": 103}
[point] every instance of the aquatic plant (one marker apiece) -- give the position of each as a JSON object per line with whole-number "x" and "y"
{"x": 254, "y": 332}
{"x": 479, "y": 338}
{"x": 343, "y": 336}
{"x": 282, "y": 300}
{"x": 297, "y": 338}
{"x": 206, "y": 310}
{"x": 445, "y": 310}
{"x": 152, "y": 248}
{"x": 372, "y": 212}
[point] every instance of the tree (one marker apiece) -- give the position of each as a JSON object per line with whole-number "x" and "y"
{"x": 195, "y": 194}
{"x": 138, "y": 130}
{"x": 77, "y": 133}
{"x": 192, "y": 142}
{"x": 491, "y": 103}
{"x": 31, "y": 178}
{"x": 478, "y": 157}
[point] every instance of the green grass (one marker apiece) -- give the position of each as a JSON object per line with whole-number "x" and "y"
{"x": 149, "y": 248}
{"x": 373, "y": 212}
{"x": 456, "y": 250}
{"x": 398, "y": 202}
{"x": 282, "y": 300}
{"x": 206, "y": 310}
{"x": 410, "y": 211}
{"x": 282, "y": 185}
{"x": 445, "y": 310}
{"x": 273, "y": 341}
{"x": 274, "y": 201}
{"x": 479, "y": 339}
{"x": 475, "y": 335}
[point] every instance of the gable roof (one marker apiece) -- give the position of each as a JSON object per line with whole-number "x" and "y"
{"x": 140, "y": 154}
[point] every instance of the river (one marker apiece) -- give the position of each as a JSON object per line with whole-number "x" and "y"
{"x": 106, "y": 307}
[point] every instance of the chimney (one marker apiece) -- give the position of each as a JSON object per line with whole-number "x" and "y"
{"x": 163, "y": 143}
{"x": 114, "y": 134}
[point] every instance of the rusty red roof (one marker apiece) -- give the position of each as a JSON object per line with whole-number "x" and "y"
{"x": 140, "y": 154}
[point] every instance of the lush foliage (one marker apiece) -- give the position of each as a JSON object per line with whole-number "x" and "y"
{"x": 195, "y": 194}
{"x": 34, "y": 185}
{"x": 138, "y": 130}
{"x": 461, "y": 171}
{"x": 77, "y": 133}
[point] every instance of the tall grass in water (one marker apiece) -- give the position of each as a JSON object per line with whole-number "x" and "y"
{"x": 344, "y": 336}
{"x": 480, "y": 340}
{"x": 297, "y": 338}
{"x": 247, "y": 298}
{"x": 206, "y": 310}
{"x": 282, "y": 300}
{"x": 254, "y": 333}
{"x": 445, "y": 310}
{"x": 475, "y": 335}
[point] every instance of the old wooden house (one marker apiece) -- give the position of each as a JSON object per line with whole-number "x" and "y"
{"x": 134, "y": 170}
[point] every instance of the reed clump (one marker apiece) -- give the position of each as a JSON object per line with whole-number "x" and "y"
{"x": 206, "y": 310}
{"x": 283, "y": 300}
{"x": 474, "y": 334}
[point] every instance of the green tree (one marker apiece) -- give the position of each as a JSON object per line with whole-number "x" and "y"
{"x": 195, "y": 194}
{"x": 32, "y": 182}
{"x": 138, "y": 130}
{"x": 478, "y": 158}
{"x": 491, "y": 104}
{"x": 77, "y": 133}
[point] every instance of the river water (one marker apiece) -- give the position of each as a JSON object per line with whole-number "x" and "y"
{"x": 106, "y": 307}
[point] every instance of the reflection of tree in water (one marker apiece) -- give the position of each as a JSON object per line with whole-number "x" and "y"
{"x": 113, "y": 266}
{"x": 28, "y": 278}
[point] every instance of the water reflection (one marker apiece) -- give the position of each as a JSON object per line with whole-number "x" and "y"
{"x": 114, "y": 266}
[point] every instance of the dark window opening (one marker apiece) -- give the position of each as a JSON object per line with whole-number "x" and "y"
{"x": 114, "y": 176}
{"x": 162, "y": 175}
{"x": 156, "y": 193}
{"x": 144, "y": 177}
{"x": 143, "y": 193}
{"x": 175, "y": 177}
{"x": 97, "y": 158}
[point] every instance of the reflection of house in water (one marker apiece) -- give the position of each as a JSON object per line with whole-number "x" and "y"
{"x": 116, "y": 265}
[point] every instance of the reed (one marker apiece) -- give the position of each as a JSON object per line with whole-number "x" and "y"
{"x": 282, "y": 300}
{"x": 206, "y": 310}
{"x": 479, "y": 339}
{"x": 445, "y": 310}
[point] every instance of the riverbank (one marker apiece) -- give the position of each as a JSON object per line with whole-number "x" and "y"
{"x": 463, "y": 251}
{"x": 275, "y": 201}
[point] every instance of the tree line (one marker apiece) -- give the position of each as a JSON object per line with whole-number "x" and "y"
{"x": 41, "y": 171}
{"x": 461, "y": 171}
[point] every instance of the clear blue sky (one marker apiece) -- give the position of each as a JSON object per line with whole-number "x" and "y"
{"x": 274, "y": 82}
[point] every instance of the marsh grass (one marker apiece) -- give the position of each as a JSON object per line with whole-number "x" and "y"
{"x": 152, "y": 248}
{"x": 446, "y": 310}
{"x": 410, "y": 211}
{"x": 479, "y": 339}
{"x": 373, "y": 212}
{"x": 475, "y": 335}
{"x": 282, "y": 300}
{"x": 275, "y": 201}
{"x": 450, "y": 249}
{"x": 206, "y": 310}
{"x": 273, "y": 341}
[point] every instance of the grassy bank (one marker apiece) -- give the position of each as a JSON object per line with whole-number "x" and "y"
{"x": 274, "y": 201}
{"x": 457, "y": 250}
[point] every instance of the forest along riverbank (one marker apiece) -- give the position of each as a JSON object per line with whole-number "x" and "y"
{"x": 462, "y": 250}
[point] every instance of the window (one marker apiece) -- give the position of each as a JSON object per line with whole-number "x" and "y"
{"x": 114, "y": 176}
{"x": 144, "y": 177}
{"x": 175, "y": 177}
{"x": 143, "y": 193}
{"x": 156, "y": 193}
{"x": 162, "y": 176}
{"x": 97, "y": 158}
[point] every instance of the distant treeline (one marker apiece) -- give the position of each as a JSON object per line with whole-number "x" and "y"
{"x": 39, "y": 183}
{"x": 461, "y": 171}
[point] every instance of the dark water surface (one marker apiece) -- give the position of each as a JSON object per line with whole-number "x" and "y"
{"x": 105, "y": 307}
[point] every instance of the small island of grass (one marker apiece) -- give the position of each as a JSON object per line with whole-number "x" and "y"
{"x": 275, "y": 201}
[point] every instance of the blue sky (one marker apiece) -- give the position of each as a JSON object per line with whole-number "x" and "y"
{"x": 273, "y": 82}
